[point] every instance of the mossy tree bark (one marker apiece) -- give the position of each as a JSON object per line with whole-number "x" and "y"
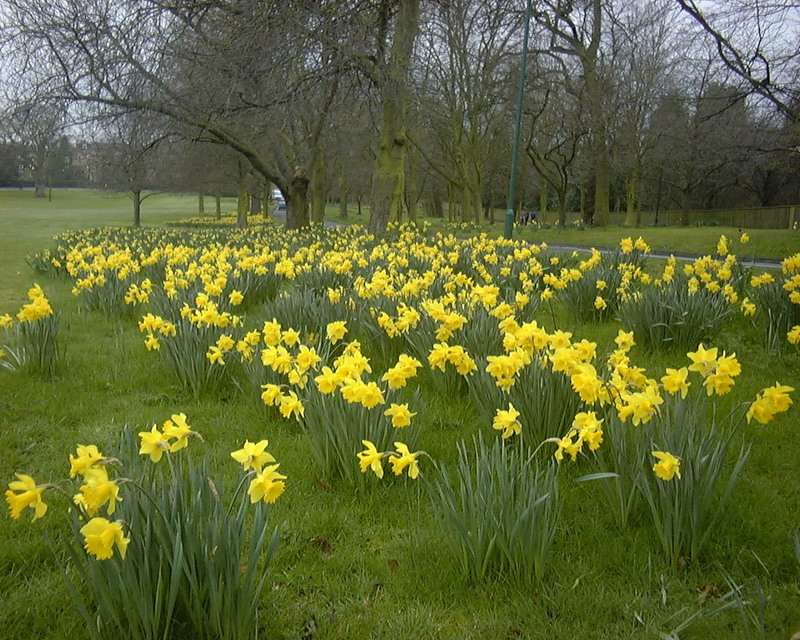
{"x": 388, "y": 180}
{"x": 543, "y": 196}
{"x": 242, "y": 199}
{"x": 344, "y": 192}
{"x": 599, "y": 134}
{"x": 633, "y": 217}
{"x": 136, "y": 195}
{"x": 297, "y": 200}
{"x": 412, "y": 188}
{"x": 318, "y": 188}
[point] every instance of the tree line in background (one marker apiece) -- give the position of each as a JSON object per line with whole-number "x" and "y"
{"x": 407, "y": 105}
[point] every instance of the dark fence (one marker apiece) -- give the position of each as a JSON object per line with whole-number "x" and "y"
{"x": 783, "y": 217}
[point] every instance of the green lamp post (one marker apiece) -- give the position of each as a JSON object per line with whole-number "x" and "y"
{"x": 512, "y": 187}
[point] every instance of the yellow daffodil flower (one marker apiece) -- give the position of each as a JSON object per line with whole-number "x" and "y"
{"x": 371, "y": 458}
{"x": 98, "y": 490}
{"x": 400, "y": 414}
{"x": 403, "y": 459}
{"x": 506, "y": 421}
{"x": 668, "y": 466}
{"x": 703, "y": 360}
{"x": 101, "y": 536}
{"x": 675, "y": 381}
{"x": 177, "y": 428}
{"x": 268, "y": 485}
{"x": 153, "y": 444}
{"x": 88, "y": 456}
{"x": 291, "y": 406}
{"x": 24, "y": 492}
{"x": 253, "y": 455}
{"x": 568, "y": 446}
{"x": 336, "y": 330}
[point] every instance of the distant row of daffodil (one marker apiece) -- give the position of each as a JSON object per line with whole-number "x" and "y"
{"x": 209, "y": 278}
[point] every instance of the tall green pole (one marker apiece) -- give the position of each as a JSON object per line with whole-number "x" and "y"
{"x": 512, "y": 187}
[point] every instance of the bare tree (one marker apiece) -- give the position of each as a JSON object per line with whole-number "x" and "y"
{"x": 246, "y": 75}
{"x": 756, "y": 40}
{"x": 645, "y": 69}
{"x": 467, "y": 55}
{"x": 36, "y": 128}
{"x": 575, "y": 30}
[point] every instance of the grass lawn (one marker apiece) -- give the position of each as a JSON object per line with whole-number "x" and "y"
{"x": 372, "y": 562}
{"x": 28, "y": 224}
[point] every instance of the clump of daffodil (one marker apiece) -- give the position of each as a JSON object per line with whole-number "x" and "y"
{"x": 266, "y": 484}
{"x": 718, "y": 371}
{"x": 769, "y": 402}
{"x": 401, "y": 460}
{"x": 153, "y": 539}
{"x": 32, "y": 339}
{"x": 586, "y": 428}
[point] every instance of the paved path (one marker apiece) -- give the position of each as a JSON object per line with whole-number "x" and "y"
{"x": 280, "y": 216}
{"x": 765, "y": 263}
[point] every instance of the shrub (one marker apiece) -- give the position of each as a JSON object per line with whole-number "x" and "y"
{"x": 32, "y": 340}
{"x": 499, "y": 512}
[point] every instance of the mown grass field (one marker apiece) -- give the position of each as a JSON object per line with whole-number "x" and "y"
{"x": 372, "y": 563}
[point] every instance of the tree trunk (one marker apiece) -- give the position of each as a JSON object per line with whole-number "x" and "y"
{"x": 594, "y": 87}
{"x": 602, "y": 186}
{"x": 685, "y": 208}
{"x": 477, "y": 204}
{"x": 218, "y": 205}
{"x": 242, "y": 199}
{"x": 562, "y": 208}
{"x": 543, "y": 195}
{"x": 466, "y": 204}
{"x": 255, "y": 204}
{"x": 318, "y": 188}
{"x": 437, "y": 205}
{"x": 343, "y": 193}
{"x": 412, "y": 191}
{"x": 589, "y": 201}
{"x": 201, "y": 203}
{"x": 297, "y": 200}
{"x": 631, "y": 193}
{"x": 388, "y": 181}
{"x": 136, "y": 195}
